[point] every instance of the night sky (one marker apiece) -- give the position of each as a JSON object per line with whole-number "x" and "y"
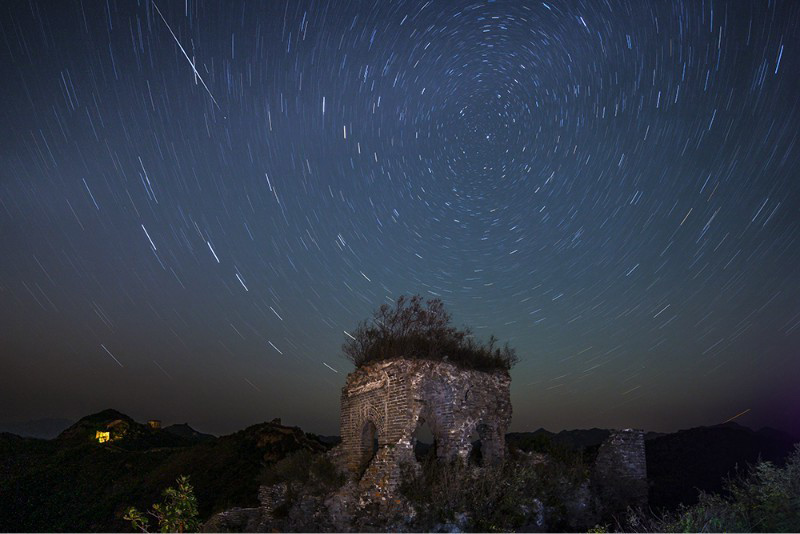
{"x": 198, "y": 199}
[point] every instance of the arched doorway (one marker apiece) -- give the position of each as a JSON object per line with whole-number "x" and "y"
{"x": 483, "y": 445}
{"x": 424, "y": 441}
{"x": 475, "y": 453}
{"x": 369, "y": 443}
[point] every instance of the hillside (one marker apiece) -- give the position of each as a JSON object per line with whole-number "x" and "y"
{"x": 572, "y": 439}
{"x": 47, "y": 428}
{"x": 183, "y": 430}
{"x": 74, "y": 483}
{"x": 679, "y": 464}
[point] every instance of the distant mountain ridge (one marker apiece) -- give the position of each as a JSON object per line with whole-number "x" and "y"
{"x": 45, "y": 428}
{"x": 123, "y": 432}
{"x": 52, "y": 427}
{"x": 74, "y": 482}
{"x": 574, "y": 439}
{"x": 183, "y": 430}
{"x": 680, "y": 463}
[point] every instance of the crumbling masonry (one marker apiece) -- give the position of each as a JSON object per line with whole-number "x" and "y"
{"x": 620, "y": 471}
{"x": 388, "y": 400}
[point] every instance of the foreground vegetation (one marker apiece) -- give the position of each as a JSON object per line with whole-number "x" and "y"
{"x": 531, "y": 491}
{"x": 303, "y": 471}
{"x": 764, "y": 499}
{"x": 411, "y": 330}
{"x": 177, "y": 513}
{"x": 550, "y": 492}
{"x": 526, "y": 492}
{"x": 74, "y": 483}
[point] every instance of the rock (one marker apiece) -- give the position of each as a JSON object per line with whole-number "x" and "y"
{"x": 234, "y": 520}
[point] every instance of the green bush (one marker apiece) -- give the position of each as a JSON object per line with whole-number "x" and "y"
{"x": 766, "y": 499}
{"x": 178, "y": 512}
{"x": 409, "y": 330}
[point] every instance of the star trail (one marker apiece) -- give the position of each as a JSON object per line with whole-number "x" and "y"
{"x": 199, "y": 200}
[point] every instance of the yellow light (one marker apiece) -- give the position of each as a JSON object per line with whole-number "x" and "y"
{"x": 102, "y": 437}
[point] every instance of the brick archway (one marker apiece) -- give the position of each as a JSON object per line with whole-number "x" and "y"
{"x": 491, "y": 451}
{"x": 370, "y": 434}
{"x": 369, "y": 443}
{"x": 389, "y": 399}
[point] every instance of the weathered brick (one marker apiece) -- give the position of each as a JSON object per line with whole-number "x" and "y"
{"x": 393, "y": 397}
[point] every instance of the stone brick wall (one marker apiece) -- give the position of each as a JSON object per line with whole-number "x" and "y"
{"x": 620, "y": 471}
{"x": 392, "y": 398}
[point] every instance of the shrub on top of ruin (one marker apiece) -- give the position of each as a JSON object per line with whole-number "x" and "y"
{"x": 412, "y": 330}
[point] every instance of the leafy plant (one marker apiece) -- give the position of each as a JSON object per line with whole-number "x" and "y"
{"x": 177, "y": 513}
{"x": 766, "y": 499}
{"x": 411, "y": 330}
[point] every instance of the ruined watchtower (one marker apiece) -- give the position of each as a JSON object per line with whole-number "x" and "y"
{"x": 620, "y": 471}
{"x": 386, "y": 401}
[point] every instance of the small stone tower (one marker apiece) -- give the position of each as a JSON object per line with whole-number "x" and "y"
{"x": 386, "y": 401}
{"x": 620, "y": 471}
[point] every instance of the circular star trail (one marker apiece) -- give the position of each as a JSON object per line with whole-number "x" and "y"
{"x": 199, "y": 199}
